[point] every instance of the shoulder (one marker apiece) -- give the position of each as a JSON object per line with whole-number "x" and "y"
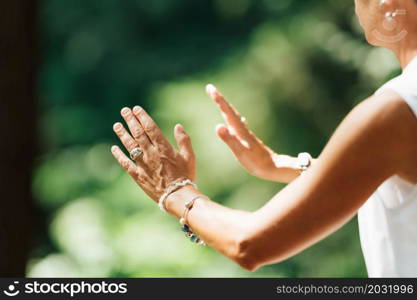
{"x": 386, "y": 112}
{"x": 378, "y": 133}
{"x": 401, "y": 126}
{"x": 377, "y": 114}
{"x": 390, "y": 111}
{"x": 385, "y": 108}
{"x": 404, "y": 86}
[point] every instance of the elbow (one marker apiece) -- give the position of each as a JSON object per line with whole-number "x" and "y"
{"x": 248, "y": 266}
{"x": 245, "y": 256}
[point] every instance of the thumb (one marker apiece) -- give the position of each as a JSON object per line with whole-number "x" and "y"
{"x": 184, "y": 143}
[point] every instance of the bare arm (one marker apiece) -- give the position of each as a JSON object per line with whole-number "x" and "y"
{"x": 371, "y": 144}
{"x": 365, "y": 150}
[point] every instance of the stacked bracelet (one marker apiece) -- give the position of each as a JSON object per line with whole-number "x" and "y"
{"x": 186, "y": 227}
{"x": 172, "y": 187}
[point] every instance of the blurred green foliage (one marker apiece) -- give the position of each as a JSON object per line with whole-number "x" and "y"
{"x": 293, "y": 68}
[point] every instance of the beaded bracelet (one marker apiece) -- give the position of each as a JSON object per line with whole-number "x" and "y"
{"x": 186, "y": 227}
{"x": 172, "y": 187}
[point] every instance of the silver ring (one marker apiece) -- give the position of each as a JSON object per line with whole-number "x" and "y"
{"x": 243, "y": 120}
{"x": 135, "y": 153}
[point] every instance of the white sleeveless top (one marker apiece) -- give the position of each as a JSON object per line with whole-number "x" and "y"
{"x": 388, "y": 220}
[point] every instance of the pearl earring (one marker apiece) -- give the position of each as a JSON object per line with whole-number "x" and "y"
{"x": 390, "y": 23}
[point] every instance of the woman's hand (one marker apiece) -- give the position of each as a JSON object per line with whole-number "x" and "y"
{"x": 258, "y": 159}
{"x": 159, "y": 164}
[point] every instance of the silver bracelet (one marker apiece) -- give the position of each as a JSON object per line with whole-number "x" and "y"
{"x": 304, "y": 161}
{"x": 185, "y": 226}
{"x": 172, "y": 187}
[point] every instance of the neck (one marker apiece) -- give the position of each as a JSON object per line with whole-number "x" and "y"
{"x": 405, "y": 54}
{"x": 406, "y": 57}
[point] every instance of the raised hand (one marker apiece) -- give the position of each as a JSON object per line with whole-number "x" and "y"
{"x": 158, "y": 163}
{"x": 258, "y": 159}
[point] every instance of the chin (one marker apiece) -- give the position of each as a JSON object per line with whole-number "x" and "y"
{"x": 370, "y": 38}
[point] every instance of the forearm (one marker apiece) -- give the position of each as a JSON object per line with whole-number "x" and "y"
{"x": 349, "y": 170}
{"x": 222, "y": 228}
{"x": 298, "y": 216}
{"x": 231, "y": 232}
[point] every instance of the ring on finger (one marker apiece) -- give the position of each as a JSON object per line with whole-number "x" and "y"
{"x": 244, "y": 120}
{"x": 135, "y": 153}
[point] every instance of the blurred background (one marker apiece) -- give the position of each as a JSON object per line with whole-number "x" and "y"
{"x": 293, "y": 68}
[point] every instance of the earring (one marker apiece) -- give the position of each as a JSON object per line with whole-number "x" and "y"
{"x": 390, "y": 23}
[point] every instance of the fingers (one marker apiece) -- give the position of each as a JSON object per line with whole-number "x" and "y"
{"x": 231, "y": 116}
{"x": 231, "y": 140}
{"x": 135, "y": 171}
{"x": 152, "y": 130}
{"x": 125, "y": 162}
{"x": 135, "y": 128}
{"x": 184, "y": 143}
{"x": 129, "y": 143}
{"x": 124, "y": 136}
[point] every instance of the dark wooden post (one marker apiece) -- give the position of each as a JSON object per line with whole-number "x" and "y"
{"x": 17, "y": 132}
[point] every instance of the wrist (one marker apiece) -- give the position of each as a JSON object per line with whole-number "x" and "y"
{"x": 284, "y": 161}
{"x": 175, "y": 202}
{"x": 286, "y": 168}
{"x": 172, "y": 187}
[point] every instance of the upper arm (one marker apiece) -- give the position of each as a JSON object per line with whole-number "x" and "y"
{"x": 362, "y": 153}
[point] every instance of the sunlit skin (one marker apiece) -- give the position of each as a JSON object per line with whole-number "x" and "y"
{"x": 371, "y": 17}
{"x": 377, "y": 139}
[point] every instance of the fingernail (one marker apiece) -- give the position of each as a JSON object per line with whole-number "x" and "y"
{"x": 220, "y": 128}
{"x": 113, "y": 148}
{"x": 125, "y": 111}
{"x": 117, "y": 126}
{"x": 211, "y": 89}
{"x": 180, "y": 128}
{"x": 137, "y": 109}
